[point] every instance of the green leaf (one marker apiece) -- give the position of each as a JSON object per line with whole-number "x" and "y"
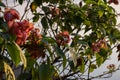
{"x": 1, "y": 40}
{"x": 61, "y": 54}
{"x": 82, "y": 66}
{"x": 116, "y": 34}
{"x": 72, "y": 67}
{"x": 8, "y": 72}
{"x": 45, "y": 72}
{"x": 48, "y": 61}
{"x": 22, "y": 56}
{"x": 35, "y": 74}
{"x": 16, "y": 53}
{"x": 53, "y": 1}
{"x": 103, "y": 52}
{"x": 103, "y": 31}
{"x": 99, "y": 59}
{"x": 82, "y": 42}
{"x": 3, "y": 25}
{"x": 46, "y": 9}
{"x": 77, "y": 19}
{"x": 5, "y": 36}
{"x": 24, "y": 76}
{"x": 13, "y": 52}
{"x": 114, "y": 21}
{"x": 67, "y": 27}
{"x": 88, "y": 51}
{"x": 48, "y": 40}
{"x": 98, "y": 34}
{"x": 87, "y": 23}
{"x": 92, "y": 67}
{"x": 44, "y": 23}
{"x": 90, "y": 2}
{"x": 36, "y": 18}
{"x": 112, "y": 39}
{"x": 33, "y": 6}
{"x": 2, "y": 4}
{"x": 51, "y": 53}
{"x": 20, "y": 1}
{"x": 105, "y": 1}
{"x": 38, "y": 2}
{"x": 100, "y": 13}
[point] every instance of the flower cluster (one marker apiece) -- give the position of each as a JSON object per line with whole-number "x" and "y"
{"x": 25, "y": 33}
{"x": 113, "y": 1}
{"x": 111, "y": 67}
{"x": 36, "y": 51}
{"x": 98, "y": 45}
{"x": 35, "y": 48}
{"x": 20, "y": 29}
{"x": 34, "y": 36}
{"x": 62, "y": 38}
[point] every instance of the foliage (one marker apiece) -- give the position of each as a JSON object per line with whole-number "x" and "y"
{"x": 72, "y": 39}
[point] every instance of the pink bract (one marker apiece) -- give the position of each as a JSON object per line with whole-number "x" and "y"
{"x": 21, "y": 30}
{"x": 11, "y": 15}
{"x": 98, "y": 45}
{"x": 63, "y": 38}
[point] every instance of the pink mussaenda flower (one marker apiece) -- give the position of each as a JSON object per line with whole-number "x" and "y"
{"x": 21, "y": 30}
{"x": 35, "y": 37}
{"x": 63, "y": 38}
{"x": 11, "y": 14}
{"x": 98, "y": 45}
{"x": 26, "y": 25}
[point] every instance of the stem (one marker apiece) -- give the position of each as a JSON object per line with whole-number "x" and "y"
{"x": 25, "y": 10}
{"x": 89, "y": 71}
{"x": 109, "y": 72}
{"x": 65, "y": 76}
{"x": 52, "y": 30}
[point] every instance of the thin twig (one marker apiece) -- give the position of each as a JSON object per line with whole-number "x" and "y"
{"x": 89, "y": 70}
{"x": 65, "y": 76}
{"x": 25, "y": 10}
{"x": 100, "y": 76}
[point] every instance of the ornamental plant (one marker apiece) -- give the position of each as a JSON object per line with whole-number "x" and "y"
{"x": 57, "y": 39}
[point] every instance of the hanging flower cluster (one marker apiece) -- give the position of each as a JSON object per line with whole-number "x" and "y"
{"x": 20, "y": 29}
{"x": 62, "y": 38}
{"x": 98, "y": 45}
{"x": 25, "y": 33}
